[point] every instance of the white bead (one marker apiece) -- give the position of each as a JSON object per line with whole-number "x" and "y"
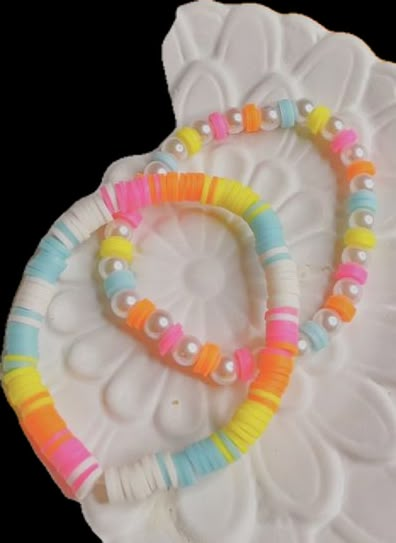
{"x": 333, "y": 127}
{"x": 204, "y": 130}
{"x": 361, "y": 218}
{"x": 175, "y": 147}
{"x": 355, "y": 255}
{"x": 107, "y": 266}
{"x": 271, "y": 118}
{"x": 362, "y": 182}
{"x": 303, "y": 345}
{"x": 120, "y": 228}
{"x": 156, "y": 167}
{"x": 187, "y": 351}
{"x": 349, "y": 288}
{"x": 328, "y": 319}
{"x": 122, "y": 302}
{"x": 157, "y": 324}
{"x": 352, "y": 154}
{"x": 226, "y": 373}
{"x": 235, "y": 120}
{"x": 304, "y": 107}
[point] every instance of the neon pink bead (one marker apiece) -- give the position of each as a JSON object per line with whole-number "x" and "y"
{"x": 350, "y": 270}
{"x": 83, "y": 477}
{"x": 282, "y": 330}
{"x": 107, "y": 199}
{"x": 219, "y": 126}
{"x": 121, "y": 195}
{"x": 144, "y": 191}
{"x": 245, "y": 364}
{"x": 170, "y": 339}
{"x": 133, "y": 218}
{"x": 133, "y": 196}
{"x": 284, "y": 309}
{"x": 273, "y": 350}
{"x": 343, "y": 140}
{"x": 68, "y": 457}
{"x": 53, "y": 439}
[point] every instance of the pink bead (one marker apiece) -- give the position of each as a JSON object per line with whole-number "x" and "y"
{"x": 273, "y": 350}
{"x": 144, "y": 191}
{"x": 68, "y": 457}
{"x": 133, "y": 196}
{"x": 106, "y": 199}
{"x": 219, "y": 126}
{"x": 53, "y": 439}
{"x": 121, "y": 195}
{"x": 343, "y": 140}
{"x": 284, "y": 309}
{"x": 170, "y": 339}
{"x": 282, "y": 331}
{"x": 350, "y": 270}
{"x": 133, "y": 218}
{"x": 83, "y": 477}
{"x": 245, "y": 364}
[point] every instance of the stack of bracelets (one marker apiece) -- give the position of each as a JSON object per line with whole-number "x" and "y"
{"x": 118, "y": 207}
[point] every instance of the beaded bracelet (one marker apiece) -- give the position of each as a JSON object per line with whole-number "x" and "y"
{"x": 116, "y": 251}
{"x": 71, "y": 464}
{"x": 351, "y": 274}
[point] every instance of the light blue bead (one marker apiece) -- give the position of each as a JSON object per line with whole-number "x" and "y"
{"x": 235, "y": 452}
{"x": 44, "y": 267}
{"x": 200, "y": 464}
{"x": 252, "y": 208}
{"x": 21, "y": 339}
{"x": 362, "y": 199}
{"x": 22, "y": 312}
{"x": 185, "y": 473}
{"x": 164, "y": 471}
{"x": 166, "y": 159}
{"x": 11, "y": 365}
{"x": 288, "y": 113}
{"x": 68, "y": 233}
{"x": 54, "y": 247}
{"x": 118, "y": 281}
{"x": 213, "y": 454}
{"x": 317, "y": 335}
{"x": 276, "y": 258}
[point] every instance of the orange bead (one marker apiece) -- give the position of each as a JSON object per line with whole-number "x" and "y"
{"x": 163, "y": 190}
{"x": 264, "y": 401}
{"x": 252, "y": 118}
{"x": 208, "y": 360}
{"x": 153, "y": 190}
{"x": 360, "y": 167}
{"x": 341, "y": 305}
{"x": 43, "y": 423}
{"x": 172, "y": 187}
{"x": 139, "y": 313}
{"x": 212, "y": 190}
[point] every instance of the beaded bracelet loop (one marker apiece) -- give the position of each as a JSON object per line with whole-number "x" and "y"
{"x": 71, "y": 464}
{"x": 116, "y": 250}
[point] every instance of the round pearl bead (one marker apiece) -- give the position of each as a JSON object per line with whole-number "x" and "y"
{"x": 226, "y": 372}
{"x": 355, "y": 255}
{"x": 271, "y": 118}
{"x": 186, "y": 351}
{"x": 120, "y": 228}
{"x": 122, "y": 302}
{"x": 157, "y": 324}
{"x": 204, "y": 130}
{"x": 333, "y": 127}
{"x": 156, "y": 168}
{"x": 349, "y": 288}
{"x": 303, "y": 345}
{"x": 175, "y": 147}
{"x": 362, "y": 182}
{"x": 328, "y": 319}
{"x": 110, "y": 265}
{"x": 235, "y": 120}
{"x": 352, "y": 154}
{"x": 361, "y": 218}
{"x": 304, "y": 108}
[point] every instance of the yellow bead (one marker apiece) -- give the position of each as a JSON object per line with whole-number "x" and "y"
{"x": 205, "y": 189}
{"x": 318, "y": 119}
{"x": 266, "y": 395}
{"x": 222, "y": 448}
{"x": 360, "y": 237}
{"x": 256, "y": 212}
{"x": 191, "y": 139}
{"x": 116, "y": 247}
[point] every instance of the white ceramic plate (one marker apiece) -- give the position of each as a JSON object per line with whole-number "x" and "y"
{"x": 325, "y": 471}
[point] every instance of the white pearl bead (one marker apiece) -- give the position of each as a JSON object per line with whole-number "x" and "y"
{"x": 304, "y": 107}
{"x": 120, "y": 228}
{"x": 328, "y": 319}
{"x": 362, "y": 182}
{"x": 355, "y": 255}
{"x": 107, "y": 266}
{"x": 349, "y": 288}
{"x": 303, "y": 345}
{"x": 186, "y": 351}
{"x": 175, "y": 147}
{"x": 333, "y": 127}
{"x": 156, "y": 167}
{"x": 235, "y": 120}
{"x": 122, "y": 302}
{"x": 204, "y": 130}
{"x": 352, "y": 154}
{"x": 157, "y": 324}
{"x": 361, "y": 218}
{"x": 225, "y": 373}
{"x": 271, "y": 118}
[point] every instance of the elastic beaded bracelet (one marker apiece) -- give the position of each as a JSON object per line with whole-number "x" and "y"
{"x": 204, "y": 361}
{"x": 343, "y": 144}
{"x": 70, "y": 463}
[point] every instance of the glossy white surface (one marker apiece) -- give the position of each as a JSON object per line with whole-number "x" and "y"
{"x": 325, "y": 472}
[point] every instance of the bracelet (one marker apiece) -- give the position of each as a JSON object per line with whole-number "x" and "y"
{"x": 142, "y": 316}
{"x": 70, "y": 463}
{"x": 351, "y": 274}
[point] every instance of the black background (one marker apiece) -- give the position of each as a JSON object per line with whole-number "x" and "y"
{"x": 77, "y": 100}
